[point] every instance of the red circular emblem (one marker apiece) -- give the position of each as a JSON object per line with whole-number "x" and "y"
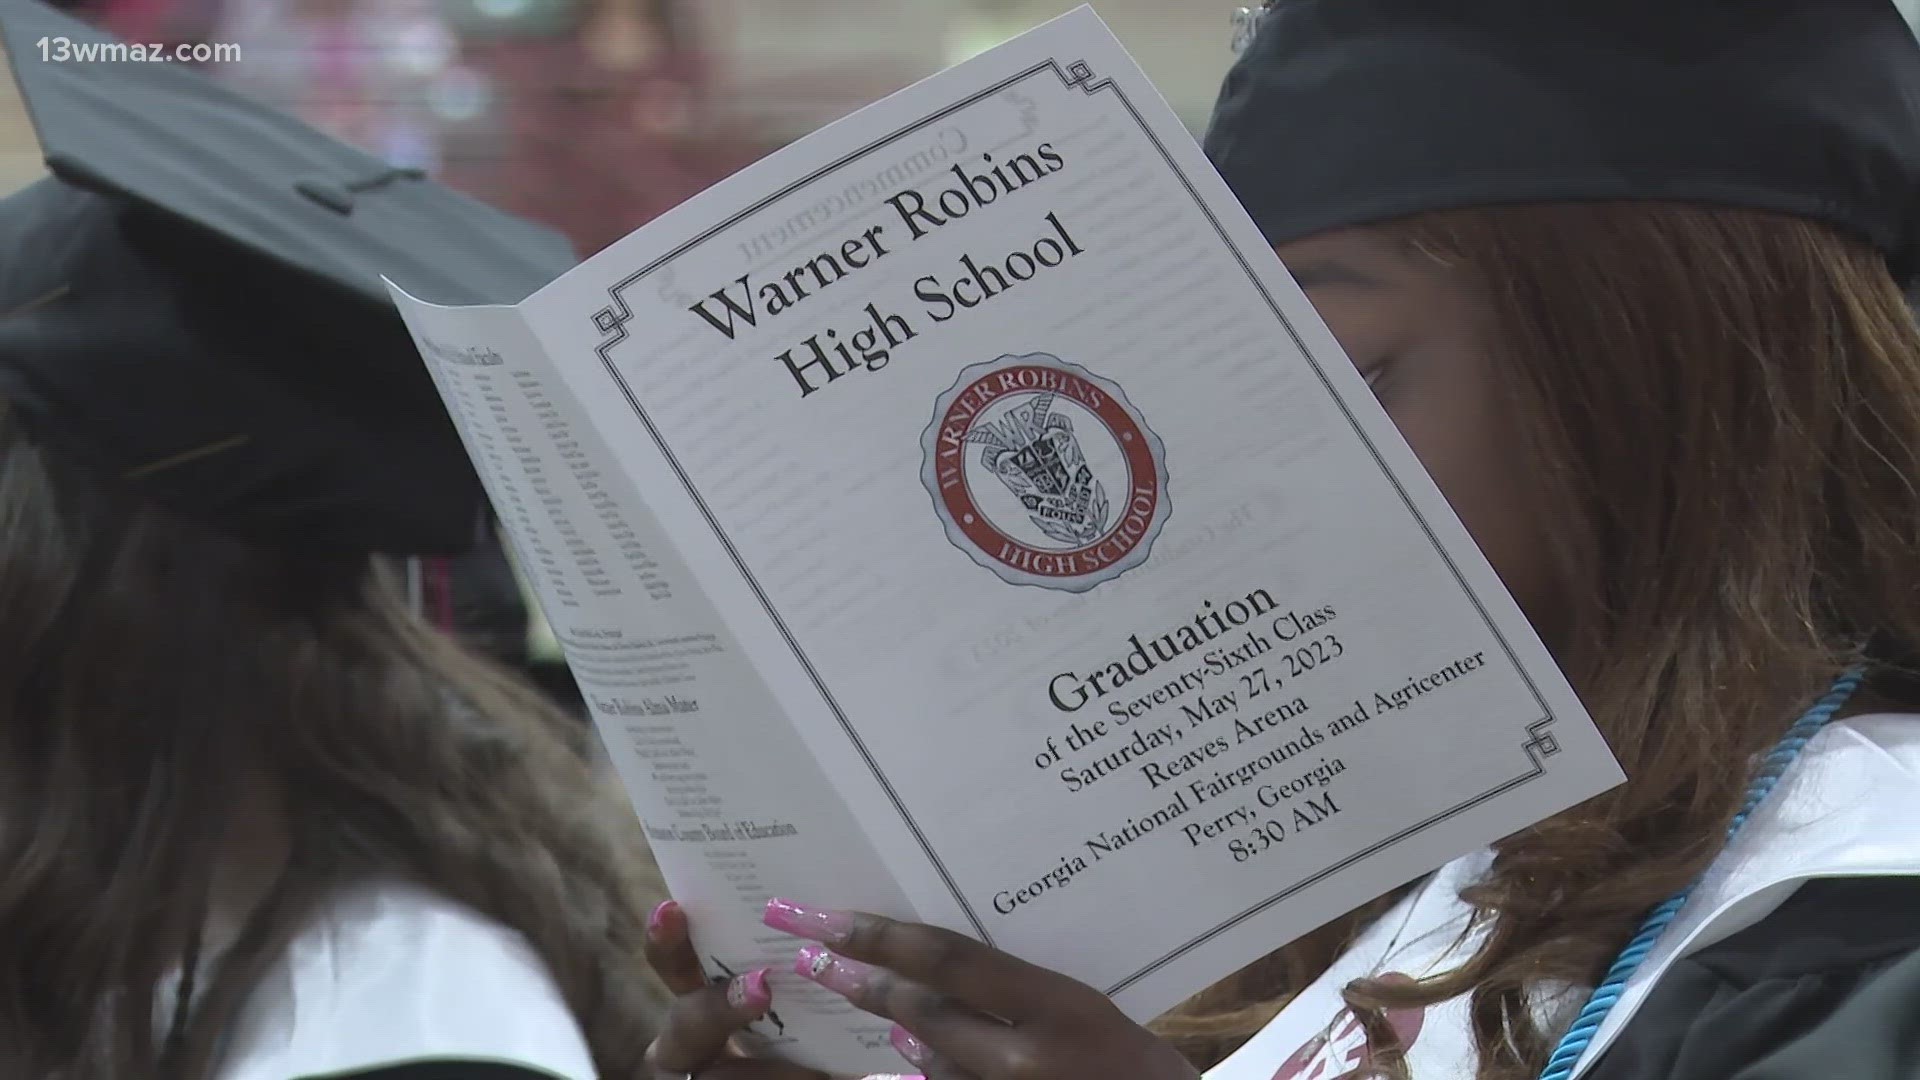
{"x": 1045, "y": 473}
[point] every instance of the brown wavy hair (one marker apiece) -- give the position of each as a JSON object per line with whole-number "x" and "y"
{"x": 163, "y": 689}
{"x": 1723, "y": 409}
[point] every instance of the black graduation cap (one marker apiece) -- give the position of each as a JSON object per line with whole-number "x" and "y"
{"x": 193, "y": 302}
{"x": 1350, "y": 112}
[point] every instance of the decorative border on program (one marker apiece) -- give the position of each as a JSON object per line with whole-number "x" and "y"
{"x": 612, "y": 320}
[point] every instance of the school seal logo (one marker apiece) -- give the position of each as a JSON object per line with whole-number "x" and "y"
{"x": 1044, "y": 473}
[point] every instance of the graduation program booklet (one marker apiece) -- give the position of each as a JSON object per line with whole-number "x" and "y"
{"x": 961, "y": 515}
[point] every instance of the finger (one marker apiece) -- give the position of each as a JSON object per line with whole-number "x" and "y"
{"x": 909, "y": 1046}
{"x": 932, "y": 1032}
{"x": 700, "y": 1024}
{"x": 972, "y": 973}
{"x": 669, "y": 949}
{"x": 1002, "y": 1054}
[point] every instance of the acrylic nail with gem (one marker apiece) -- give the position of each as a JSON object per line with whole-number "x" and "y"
{"x": 909, "y": 1047}
{"x": 836, "y": 973}
{"x": 750, "y": 993}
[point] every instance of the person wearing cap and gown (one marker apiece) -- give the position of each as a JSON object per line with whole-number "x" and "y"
{"x": 1628, "y": 276}
{"x": 258, "y": 819}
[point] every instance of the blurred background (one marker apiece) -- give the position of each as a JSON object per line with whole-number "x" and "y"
{"x": 595, "y": 116}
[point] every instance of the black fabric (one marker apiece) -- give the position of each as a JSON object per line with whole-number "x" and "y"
{"x": 1349, "y": 112}
{"x": 1825, "y": 988}
{"x": 194, "y": 302}
{"x": 489, "y": 609}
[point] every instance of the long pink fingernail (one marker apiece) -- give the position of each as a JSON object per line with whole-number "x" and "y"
{"x": 749, "y": 992}
{"x": 814, "y": 924}
{"x": 657, "y": 922}
{"x": 912, "y": 1049}
{"x": 892, "y": 1076}
{"x": 836, "y": 973}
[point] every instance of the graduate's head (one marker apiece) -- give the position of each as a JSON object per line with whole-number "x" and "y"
{"x": 1627, "y": 277}
{"x": 1541, "y": 227}
{"x": 198, "y": 728}
{"x": 214, "y": 434}
{"x": 1651, "y": 416}
{"x": 213, "y": 689}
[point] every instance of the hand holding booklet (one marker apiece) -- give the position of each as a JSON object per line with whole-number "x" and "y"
{"x": 961, "y": 515}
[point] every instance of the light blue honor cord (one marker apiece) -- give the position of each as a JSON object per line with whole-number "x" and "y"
{"x": 1607, "y": 994}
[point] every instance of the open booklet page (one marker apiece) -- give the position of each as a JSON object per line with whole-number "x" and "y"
{"x": 726, "y": 789}
{"x": 1042, "y": 510}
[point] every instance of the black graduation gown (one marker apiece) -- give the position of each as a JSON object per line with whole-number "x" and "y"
{"x": 1825, "y": 988}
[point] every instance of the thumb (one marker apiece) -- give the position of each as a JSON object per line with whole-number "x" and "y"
{"x": 670, "y": 950}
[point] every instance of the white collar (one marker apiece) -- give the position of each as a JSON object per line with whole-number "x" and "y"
{"x": 1847, "y": 808}
{"x": 390, "y": 973}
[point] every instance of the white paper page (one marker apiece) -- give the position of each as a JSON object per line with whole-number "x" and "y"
{"x": 1343, "y": 697}
{"x": 734, "y": 807}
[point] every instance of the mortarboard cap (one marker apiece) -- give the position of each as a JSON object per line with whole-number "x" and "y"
{"x": 1350, "y": 112}
{"x": 193, "y": 301}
